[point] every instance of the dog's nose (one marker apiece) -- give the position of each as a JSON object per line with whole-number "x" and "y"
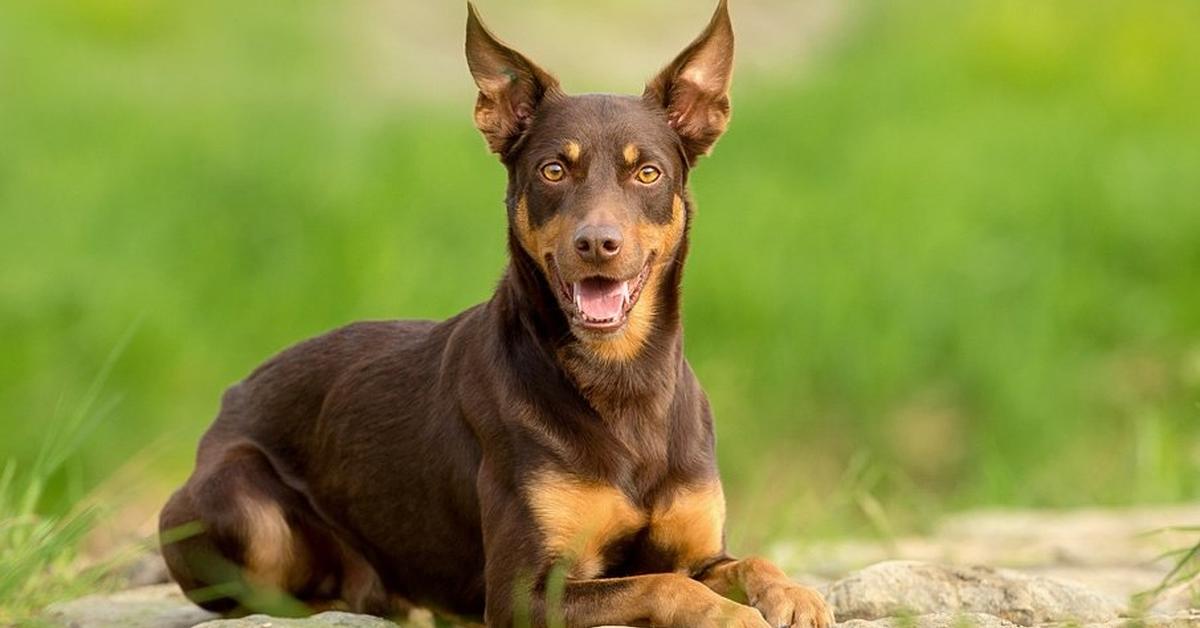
{"x": 597, "y": 243}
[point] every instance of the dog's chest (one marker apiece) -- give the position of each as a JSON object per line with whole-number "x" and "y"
{"x": 595, "y": 528}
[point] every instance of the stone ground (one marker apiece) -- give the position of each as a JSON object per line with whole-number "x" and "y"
{"x": 990, "y": 569}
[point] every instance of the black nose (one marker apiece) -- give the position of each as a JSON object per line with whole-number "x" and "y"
{"x": 596, "y": 243}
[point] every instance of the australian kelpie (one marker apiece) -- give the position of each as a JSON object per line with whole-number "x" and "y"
{"x": 544, "y": 457}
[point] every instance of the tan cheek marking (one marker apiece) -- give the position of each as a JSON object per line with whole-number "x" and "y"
{"x": 665, "y": 238}
{"x": 521, "y": 225}
{"x": 669, "y": 235}
{"x": 692, "y": 525}
{"x": 631, "y": 154}
{"x": 572, "y": 150}
{"x": 661, "y": 238}
{"x": 578, "y": 519}
{"x": 536, "y": 242}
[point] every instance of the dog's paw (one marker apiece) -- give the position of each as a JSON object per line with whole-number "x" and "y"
{"x": 744, "y": 617}
{"x": 721, "y": 613}
{"x": 741, "y": 617}
{"x": 793, "y": 606}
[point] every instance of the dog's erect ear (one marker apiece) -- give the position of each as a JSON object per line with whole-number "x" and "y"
{"x": 694, "y": 88}
{"x": 510, "y": 86}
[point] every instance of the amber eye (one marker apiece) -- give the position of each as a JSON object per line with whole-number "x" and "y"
{"x": 553, "y": 172}
{"x": 648, "y": 174}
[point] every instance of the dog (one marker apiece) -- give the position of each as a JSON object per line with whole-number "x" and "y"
{"x": 546, "y": 457}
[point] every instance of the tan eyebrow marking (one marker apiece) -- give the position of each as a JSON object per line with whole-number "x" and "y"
{"x": 572, "y": 150}
{"x": 631, "y": 154}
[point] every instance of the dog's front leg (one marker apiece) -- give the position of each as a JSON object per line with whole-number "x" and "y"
{"x": 517, "y": 576}
{"x": 765, "y": 587}
{"x": 666, "y": 600}
{"x": 518, "y": 586}
{"x": 653, "y": 600}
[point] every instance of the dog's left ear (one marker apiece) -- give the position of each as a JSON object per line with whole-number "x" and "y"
{"x": 694, "y": 88}
{"x": 510, "y": 86}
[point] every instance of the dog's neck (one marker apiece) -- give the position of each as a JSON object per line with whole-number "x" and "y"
{"x": 640, "y": 387}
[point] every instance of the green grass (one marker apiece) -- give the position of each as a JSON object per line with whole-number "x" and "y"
{"x": 953, "y": 262}
{"x": 1184, "y": 575}
{"x": 38, "y": 553}
{"x": 40, "y": 557}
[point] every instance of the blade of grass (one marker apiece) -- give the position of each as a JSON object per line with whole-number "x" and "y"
{"x": 39, "y": 550}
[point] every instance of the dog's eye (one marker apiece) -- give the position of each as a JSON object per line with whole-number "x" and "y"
{"x": 648, "y": 174}
{"x": 553, "y": 172}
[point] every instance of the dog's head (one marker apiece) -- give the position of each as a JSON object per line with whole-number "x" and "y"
{"x": 597, "y": 183}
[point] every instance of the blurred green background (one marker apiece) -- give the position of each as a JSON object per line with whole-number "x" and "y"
{"x": 946, "y": 256}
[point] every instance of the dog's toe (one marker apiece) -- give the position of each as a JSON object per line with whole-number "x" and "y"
{"x": 794, "y": 606}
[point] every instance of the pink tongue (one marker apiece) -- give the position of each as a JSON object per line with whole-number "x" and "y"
{"x": 600, "y": 299}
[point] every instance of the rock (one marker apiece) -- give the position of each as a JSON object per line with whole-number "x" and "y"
{"x": 146, "y": 570}
{"x": 934, "y": 620}
{"x": 1178, "y": 620}
{"x": 898, "y": 587}
{"x": 159, "y": 606}
{"x": 331, "y": 619}
{"x": 1088, "y": 538}
{"x": 1116, "y": 582}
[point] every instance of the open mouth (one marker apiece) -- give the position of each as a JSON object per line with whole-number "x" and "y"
{"x": 601, "y": 303}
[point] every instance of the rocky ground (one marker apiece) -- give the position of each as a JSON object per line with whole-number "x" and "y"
{"x": 985, "y": 569}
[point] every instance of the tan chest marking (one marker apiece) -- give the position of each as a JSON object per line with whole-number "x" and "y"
{"x": 691, "y": 525}
{"x": 578, "y": 519}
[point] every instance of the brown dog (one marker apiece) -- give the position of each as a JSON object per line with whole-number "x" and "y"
{"x": 555, "y": 431}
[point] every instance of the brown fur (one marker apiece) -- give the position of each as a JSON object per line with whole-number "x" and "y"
{"x": 456, "y": 465}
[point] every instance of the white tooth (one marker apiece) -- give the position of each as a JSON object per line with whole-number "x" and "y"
{"x": 577, "y": 298}
{"x": 625, "y": 293}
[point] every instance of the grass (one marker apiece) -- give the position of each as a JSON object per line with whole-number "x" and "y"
{"x": 40, "y": 558}
{"x": 951, "y": 263}
{"x": 1183, "y": 580}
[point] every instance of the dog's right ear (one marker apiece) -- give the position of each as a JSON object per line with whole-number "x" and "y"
{"x": 510, "y": 86}
{"x": 694, "y": 88}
